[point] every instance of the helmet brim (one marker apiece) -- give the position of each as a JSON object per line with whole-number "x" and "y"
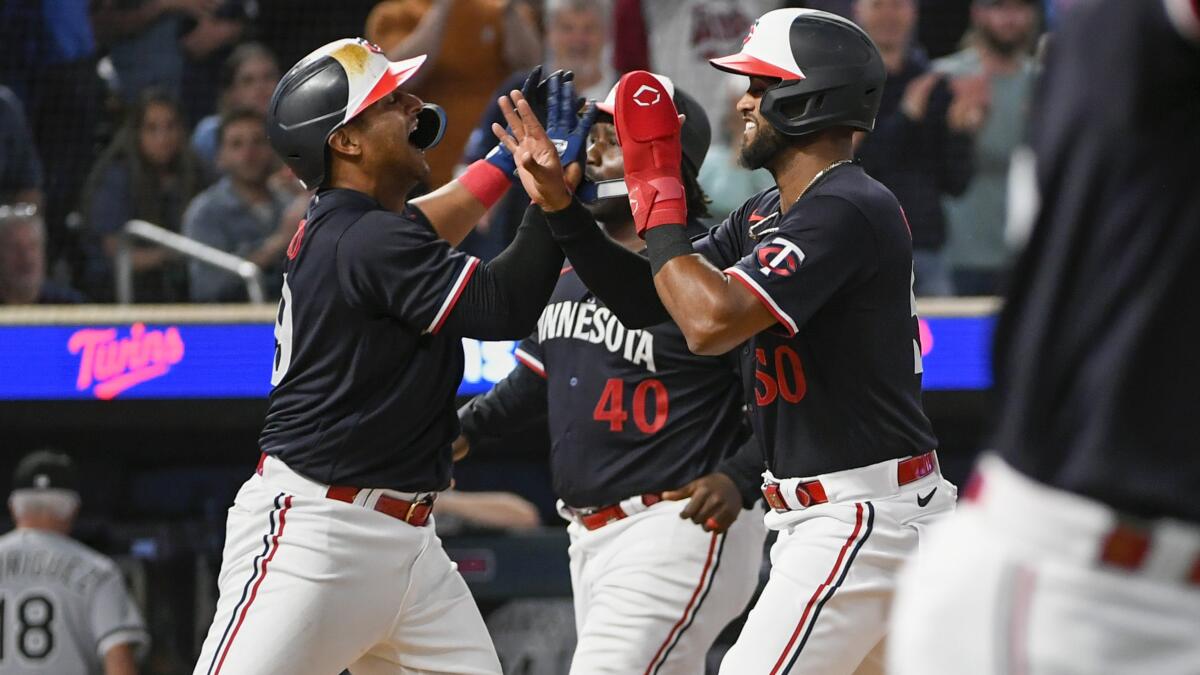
{"x": 744, "y": 64}
{"x": 397, "y": 73}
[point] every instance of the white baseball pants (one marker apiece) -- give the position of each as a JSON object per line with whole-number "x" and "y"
{"x": 310, "y": 586}
{"x": 1016, "y": 582}
{"x": 833, "y": 573}
{"x": 653, "y": 591}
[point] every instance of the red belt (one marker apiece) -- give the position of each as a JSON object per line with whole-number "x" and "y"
{"x": 595, "y": 519}
{"x": 415, "y": 513}
{"x": 1126, "y": 546}
{"x": 811, "y": 493}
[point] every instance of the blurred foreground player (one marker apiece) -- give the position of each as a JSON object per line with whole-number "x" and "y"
{"x": 1077, "y": 549}
{"x": 331, "y": 560}
{"x": 634, "y": 416}
{"x": 63, "y": 606}
{"x": 814, "y": 277}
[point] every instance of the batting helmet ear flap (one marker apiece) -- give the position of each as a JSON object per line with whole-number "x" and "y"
{"x": 431, "y": 126}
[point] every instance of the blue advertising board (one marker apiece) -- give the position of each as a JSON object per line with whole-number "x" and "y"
{"x": 233, "y": 360}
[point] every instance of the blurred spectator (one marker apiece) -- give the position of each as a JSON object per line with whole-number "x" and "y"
{"x": 149, "y": 39}
{"x": 241, "y": 214}
{"x": 202, "y": 70}
{"x": 20, "y": 167}
{"x": 148, "y": 172}
{"x": 727, "y": 183}
{"x": 96, "y": 625}
{"x": 998, "y": 45}
{"x": 921, "y": 145}
{"x": 248, "y": 79}
{"x": 48, "y": 58}
{"x": 678, "y": 38}
{"x": 577, "y": 39}
{"x": 23, "y": 260}
{"x": 473, "y": 45}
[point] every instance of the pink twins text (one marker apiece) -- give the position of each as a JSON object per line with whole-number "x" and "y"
{"x": 115, "y": 364}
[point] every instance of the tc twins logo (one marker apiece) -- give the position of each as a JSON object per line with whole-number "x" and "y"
{"x": 115, "y": 364}
{"x": 779, "y": 256}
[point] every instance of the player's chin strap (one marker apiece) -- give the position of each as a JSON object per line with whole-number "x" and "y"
{"x": 595, "y": 192}
{"x": 431, "y": 126}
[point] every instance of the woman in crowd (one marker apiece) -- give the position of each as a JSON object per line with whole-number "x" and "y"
{"x": 149, "y": 173}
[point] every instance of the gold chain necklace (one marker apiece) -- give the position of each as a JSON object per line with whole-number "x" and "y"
{"x": 762, "y": 227}
{"x": 820, "y": 174}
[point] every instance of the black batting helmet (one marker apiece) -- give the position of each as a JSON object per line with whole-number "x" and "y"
{"x": 327, "y": 89}
{"x": 830, "y": 72}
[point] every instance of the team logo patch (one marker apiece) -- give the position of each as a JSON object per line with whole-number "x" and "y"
{"x": 646, "y": 96}
{"x": 750, "y": 33}
{"x": 779, "y": 256}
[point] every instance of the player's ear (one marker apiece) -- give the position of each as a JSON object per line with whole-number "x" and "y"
{"x": 346, "y": 141}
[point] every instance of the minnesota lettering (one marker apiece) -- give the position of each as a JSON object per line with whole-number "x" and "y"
{"x": 597, "y": 325}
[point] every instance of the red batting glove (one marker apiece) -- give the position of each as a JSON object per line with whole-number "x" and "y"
{"x": 648, "y": 131}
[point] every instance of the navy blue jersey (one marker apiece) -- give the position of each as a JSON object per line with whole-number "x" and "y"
{"x": 364, "y": 382}
{"x": 630, "y": 411}
{"x": 1096, "y": 350}
{"x": 836, "y": 383}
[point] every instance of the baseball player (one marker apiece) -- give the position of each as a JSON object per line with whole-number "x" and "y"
{"x": 330, "y": 559}
{"x": 1077, "y": 549}
{"x": 64, "y": 609}
{"x": 634, "y": 416}
{"x": 811, "y": 282}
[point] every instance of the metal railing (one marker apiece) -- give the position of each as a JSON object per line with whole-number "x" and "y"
{"x": 250, "y": 273}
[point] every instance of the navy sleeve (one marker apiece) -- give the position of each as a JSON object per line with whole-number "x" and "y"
{"x": 516, "y": 402}
{"x": 395, "y": 265}
{"x": 529, "y": 354}
{"x": 817, "y": 250}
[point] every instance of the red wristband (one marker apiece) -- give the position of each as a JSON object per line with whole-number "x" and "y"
{"x": 485, "y": 181}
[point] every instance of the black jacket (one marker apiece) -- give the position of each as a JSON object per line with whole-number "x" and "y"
{"x": 918, "y": 161}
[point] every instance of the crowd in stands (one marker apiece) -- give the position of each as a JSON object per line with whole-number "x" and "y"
{"x": 153, "y": 110}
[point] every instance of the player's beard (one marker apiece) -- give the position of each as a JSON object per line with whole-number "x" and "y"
{"x": 766, "y": 144}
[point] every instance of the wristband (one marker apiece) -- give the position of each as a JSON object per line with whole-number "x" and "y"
{"x": 665, "y": 243}
{"x": 485, "y": 181}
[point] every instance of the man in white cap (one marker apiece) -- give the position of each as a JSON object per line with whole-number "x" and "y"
{"x": 64, "y": 608}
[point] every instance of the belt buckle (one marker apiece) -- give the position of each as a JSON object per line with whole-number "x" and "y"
{"x": 425, "y": 500}
{"x": 774, "y": 497}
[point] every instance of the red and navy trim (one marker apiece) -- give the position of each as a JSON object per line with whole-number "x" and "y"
{"x": 530, "y": 361}
{"x": 825, "y": 591}
{"x": 456, "y": 290}
{"x": 278, "y": 516}
{"x": 711, "y": 563}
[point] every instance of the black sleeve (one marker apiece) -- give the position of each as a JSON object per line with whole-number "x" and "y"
{"x": 503, "y": 298}
{"x": 745, "y": 467}
{"x": 517, "y": 401}
{"x": 955, "y": 159}
{"x": 618, "y": 276}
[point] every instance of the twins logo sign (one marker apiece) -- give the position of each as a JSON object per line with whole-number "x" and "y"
{"x": 779, "y": 256}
